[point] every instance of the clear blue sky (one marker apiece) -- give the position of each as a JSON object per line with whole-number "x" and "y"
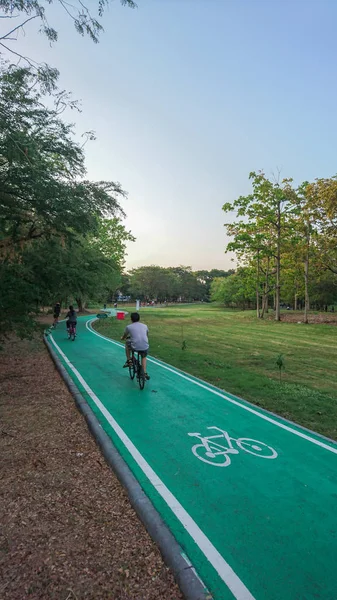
{"x": 187, "y": 97}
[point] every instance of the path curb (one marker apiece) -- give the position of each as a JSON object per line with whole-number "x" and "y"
{"x": 184, "y": 573}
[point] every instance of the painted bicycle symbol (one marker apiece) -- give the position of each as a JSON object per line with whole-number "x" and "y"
{"x": 217, "y": 454}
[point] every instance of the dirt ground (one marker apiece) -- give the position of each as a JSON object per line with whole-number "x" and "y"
{"x": 314, "y": 318}
{"x": 68, "y": 531}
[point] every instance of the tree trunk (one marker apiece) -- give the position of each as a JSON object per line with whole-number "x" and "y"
{"x": 278, "y": 266}
{"x": 306, "y": 294}
{"x": 295, "y": 301}
{"x": 266, "y": 292}
{"x": 80, "y": 304}
{"x": 306, "y": 280}
{"x": 258, "y": 285}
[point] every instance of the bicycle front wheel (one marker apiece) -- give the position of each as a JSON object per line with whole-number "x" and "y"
{"x": 256, "y": 448}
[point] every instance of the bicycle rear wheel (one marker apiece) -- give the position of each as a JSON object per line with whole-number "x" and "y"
{"x": 141, "y": 376}
{"x": 132, "y": 368}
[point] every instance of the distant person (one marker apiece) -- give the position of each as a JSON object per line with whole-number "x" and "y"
{"x": 57, "y": 311}
{"x": 136, "y": 336}
{"x": 71, "y": 316}
{"x": 115, "y": 304}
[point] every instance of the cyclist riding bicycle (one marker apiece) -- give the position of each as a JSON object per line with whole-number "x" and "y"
{"x": 71, "y": 317}
{"x": 136, "y": 336}
{"x": 57, "y": 311}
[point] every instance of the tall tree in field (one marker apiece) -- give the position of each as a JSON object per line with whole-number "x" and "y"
{"x": 264, "y": 225}
{"x": 303, "y": 235}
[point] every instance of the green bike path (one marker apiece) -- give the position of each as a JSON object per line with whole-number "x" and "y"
{"x": 261, "y": 527}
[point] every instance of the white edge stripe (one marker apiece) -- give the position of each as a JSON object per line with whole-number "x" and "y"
{"x": 233, "y": 582}
{"x": 236, "y": 402}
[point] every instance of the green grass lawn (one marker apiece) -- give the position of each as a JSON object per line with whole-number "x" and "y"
{"x": 238, "y": 353}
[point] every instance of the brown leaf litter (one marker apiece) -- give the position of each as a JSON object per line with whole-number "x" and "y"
{"x": 68, "y": 531}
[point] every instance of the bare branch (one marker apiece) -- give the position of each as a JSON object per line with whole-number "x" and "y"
{"x": 28, "y": 60}
{"x": 18, "y": 27}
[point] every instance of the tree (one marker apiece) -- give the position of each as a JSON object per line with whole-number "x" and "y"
{"x": 42, "y": 169}
{"x": 322, "y": 200}
{"x": 111, "y": 239}
{"x": 188, "y": 287}
{"x": 17, "y": 299}
{"x": 59, "y": 233}
{"x": 76, "y": 268}
{"x": 236, "y": 290}
{"x": 323, "y": 290}
{"x": 172, "y": 283}
{"x": 152, "y": 282}
{"x": 264, "y": 228}
{"x": 56, "y": 227}
{"x": 205, "y": 278}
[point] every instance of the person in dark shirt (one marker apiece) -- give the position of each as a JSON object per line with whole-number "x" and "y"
{"x": 71, "y": 316}
{"x": 57, "y": 311}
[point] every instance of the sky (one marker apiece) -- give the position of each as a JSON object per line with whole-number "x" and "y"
{"x": 187, "y": 97}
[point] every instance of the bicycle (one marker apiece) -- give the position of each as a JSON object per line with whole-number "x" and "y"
{"x": 72, "y": 331}
{"x": 136, "y": 368}
{"x": 216, "y": 454}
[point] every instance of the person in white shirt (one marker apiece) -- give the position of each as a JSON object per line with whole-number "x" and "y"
{"x": 136, "y": 336}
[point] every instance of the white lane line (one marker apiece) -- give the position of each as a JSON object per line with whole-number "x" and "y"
{"x": 300, "y": 434}
{"x": 233, "y": 582}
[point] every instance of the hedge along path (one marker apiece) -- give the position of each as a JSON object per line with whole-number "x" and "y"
{"x": 249, "y": 496}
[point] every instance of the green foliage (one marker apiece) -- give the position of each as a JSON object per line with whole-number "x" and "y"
{"x": 207, "y": 277}
{"x": 111, "y": 239}
{"x": 261, "y": 229}
{"x": 60, "y": 235}
{"x": 234, "y": 291}
{"x": 172, "y": 283}
{"x": 42, "y": 169}
{"x": 18, "y": 303}
{"x": 288, "y": 238}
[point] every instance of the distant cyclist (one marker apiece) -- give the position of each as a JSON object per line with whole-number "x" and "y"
{"x": 57, "y": 311}
{"x": 136, "y": 336}
{"x": 71, "y": 317}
